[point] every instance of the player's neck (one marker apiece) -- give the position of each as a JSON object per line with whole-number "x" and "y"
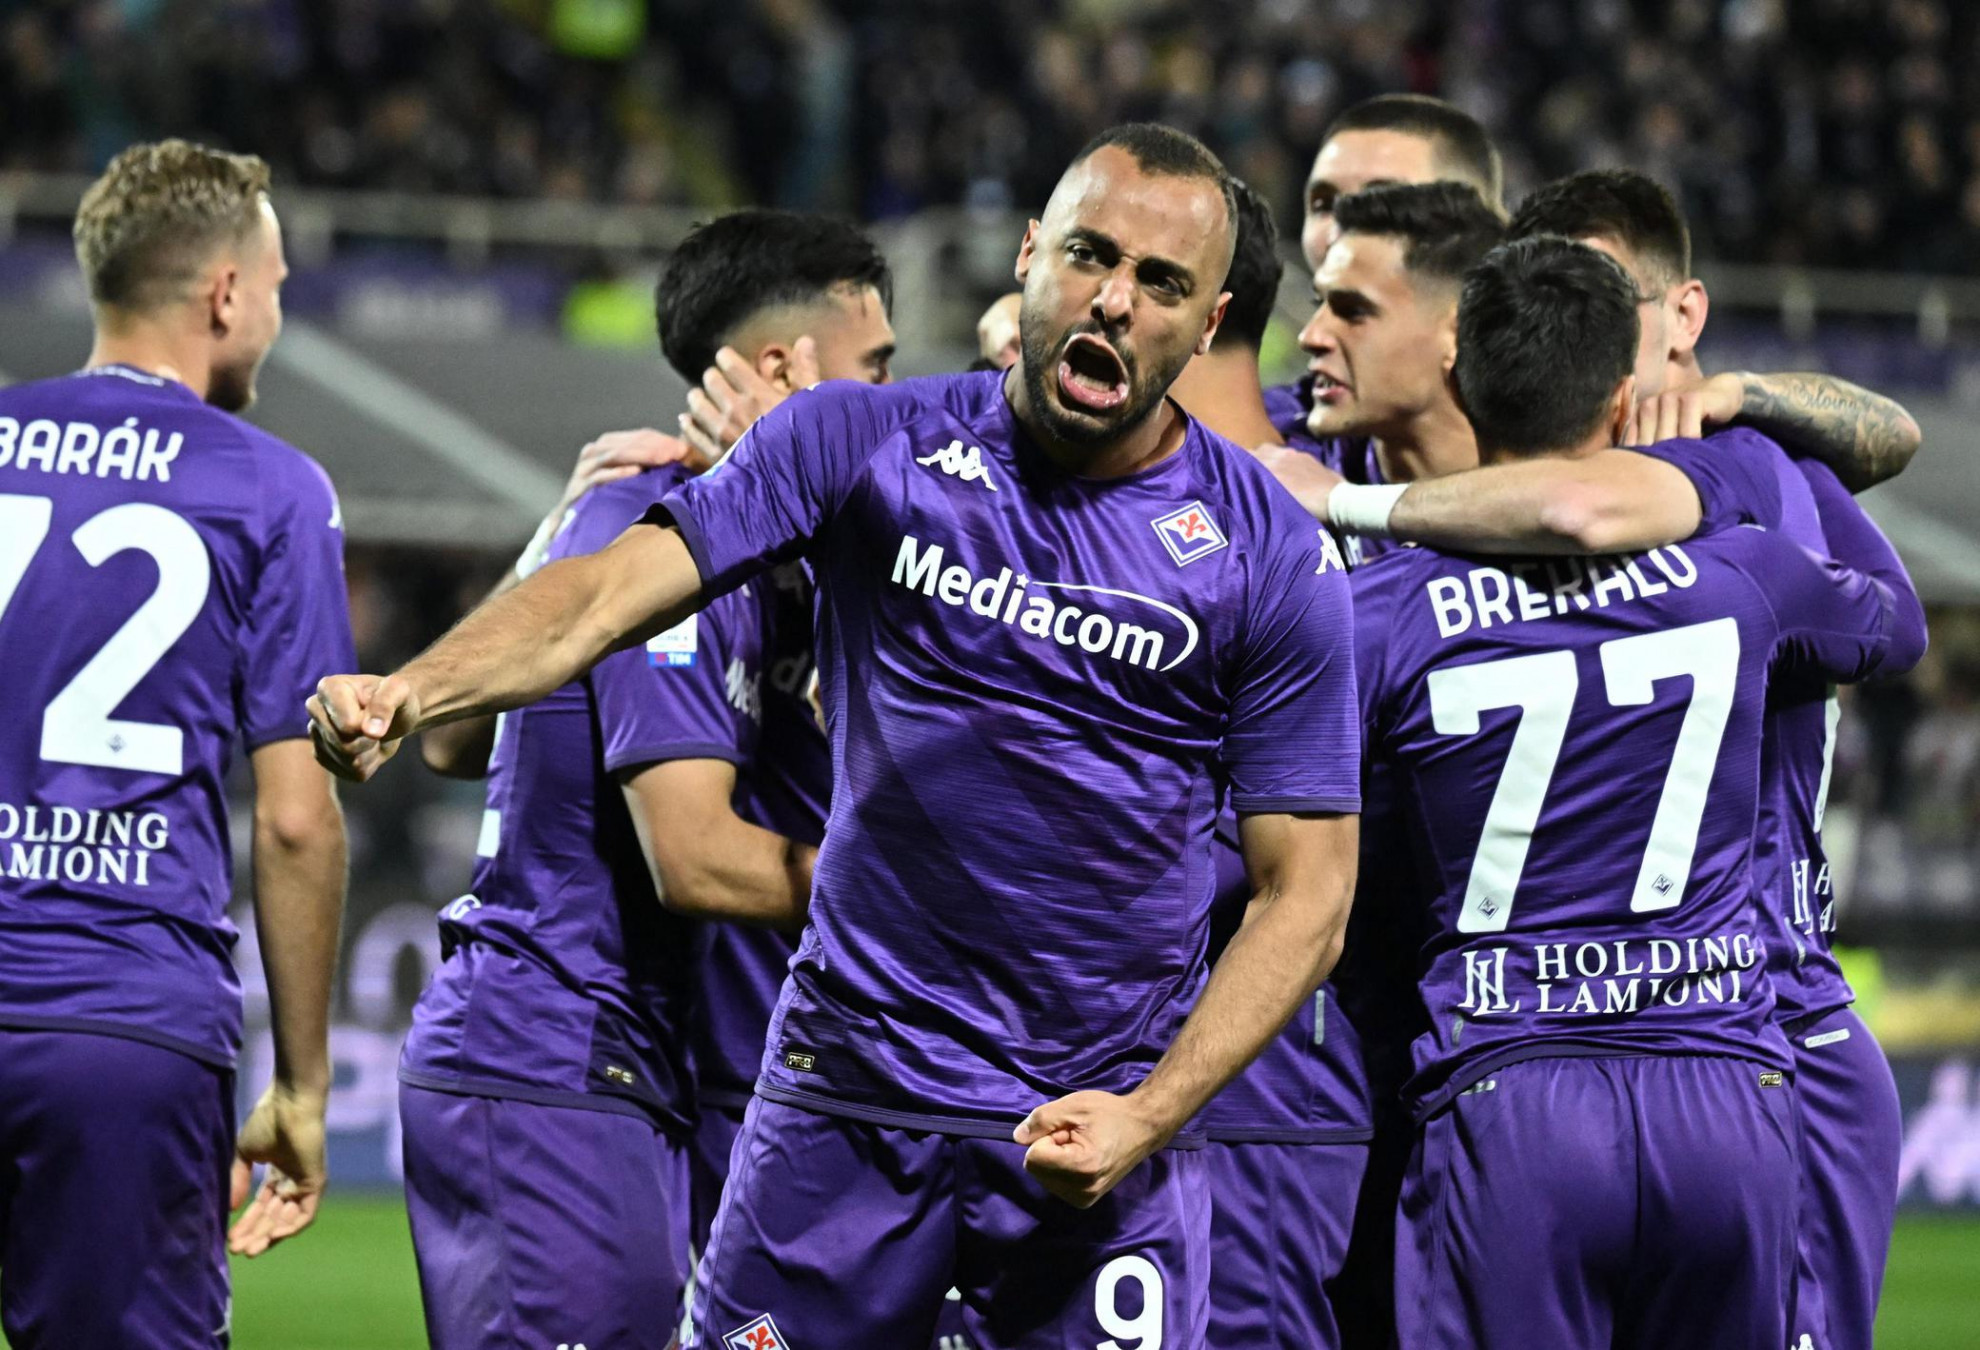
{"x": 1140, "y": 447}
{"x": 1222, "y": 390}
{"x": 154, "y": 349}
{"x": 1435, "y": 442}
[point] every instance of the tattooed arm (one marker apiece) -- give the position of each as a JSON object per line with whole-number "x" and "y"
{"x": 1864, "y": 437}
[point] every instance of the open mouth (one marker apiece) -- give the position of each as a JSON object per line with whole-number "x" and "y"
{"x": 1092, "y": 375}
{"x": 1328, "y": 390}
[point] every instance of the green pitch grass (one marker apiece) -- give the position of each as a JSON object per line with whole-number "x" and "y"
{"x": 349, "y": 1285}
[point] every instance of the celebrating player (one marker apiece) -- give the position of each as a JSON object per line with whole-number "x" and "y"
{"x": 170, "y": 578}
{"x": 1578, "y": 751}
{"x": 575, "y": 1073}
{"x": 1053, "y": 613}
{"x": 1844, "y": 1092}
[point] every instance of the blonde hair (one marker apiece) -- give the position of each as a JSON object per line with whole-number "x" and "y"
{"x": 159, "y": 213}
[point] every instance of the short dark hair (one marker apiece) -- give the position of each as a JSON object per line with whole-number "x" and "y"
{"x": 1446, "y": 228}
{"x": 1463, "y": 145}
{"x": 1255, "y": 266}
{"x": 734, "y": 267}
{"x": 1167, "y": 152}
{"x": 1547, "y": 329}
{"x": 1631, "y": 208}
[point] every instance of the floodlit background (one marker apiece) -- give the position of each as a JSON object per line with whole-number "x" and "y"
{"x": 477, "y": 194}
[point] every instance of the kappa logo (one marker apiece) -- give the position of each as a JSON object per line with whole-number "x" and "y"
{"x": 958, "y": 462}
{"x": 1189, "y": 534}
{"x": 762, "y": 1334}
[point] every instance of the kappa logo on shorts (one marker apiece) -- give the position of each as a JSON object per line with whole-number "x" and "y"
{"x": 1189, "y": 534}
{"x": 762, "y": 1334}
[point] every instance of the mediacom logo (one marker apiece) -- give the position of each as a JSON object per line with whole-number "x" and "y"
{"x": 1011, "y": 598}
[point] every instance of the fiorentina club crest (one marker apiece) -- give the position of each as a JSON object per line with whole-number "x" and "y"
{"x": 1188, "y": 534}
{"x": 762, "y": 1334}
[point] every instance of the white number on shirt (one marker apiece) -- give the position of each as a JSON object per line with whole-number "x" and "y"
{"x": 1144, "y": 1329}
{"x": 76, "y": 727}
{"x": 1543, "y": 686}
{"x": 1631, "y": 667}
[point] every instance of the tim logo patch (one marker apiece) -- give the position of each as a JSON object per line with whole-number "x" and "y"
{"x": 1189, "y": 534}
{"x": 762, "y": 1334}
{"x": 677, "y": 646}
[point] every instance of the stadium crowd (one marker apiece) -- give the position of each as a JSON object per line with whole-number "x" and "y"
{"x": 1829, "y": 132}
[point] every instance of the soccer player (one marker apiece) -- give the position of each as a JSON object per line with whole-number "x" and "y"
{"x": 576, "y": 1072}
{"x": 1578, "y": 750}
{"x": 805, "y": 303}
{"x": 1851, "y": 1124}
{"x": 1055, "y": 618}
{"x": 170, "y": 577}
{"x": 1288, "y": 1138}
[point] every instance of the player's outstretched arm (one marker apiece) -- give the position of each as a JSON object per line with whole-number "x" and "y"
{"x": 1610, "y": 502}
{"x": 1865, "y": 437}
{"x": 299, "y": 871}
{"x": 512, "y": 650}
{"x": 462, "y": 749}
{"x": 708, "y": 862}
{"x": 1302, "y": 869}
{"x": 1857, "y": 543}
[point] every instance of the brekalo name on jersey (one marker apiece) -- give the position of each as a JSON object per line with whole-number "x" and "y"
{"x": 1541, "y": 590}
{"x": 1101, "y": 620}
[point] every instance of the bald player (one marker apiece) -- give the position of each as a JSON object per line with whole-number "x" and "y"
{"x": 1059, "y": 620}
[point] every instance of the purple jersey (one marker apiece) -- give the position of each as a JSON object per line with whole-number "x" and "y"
{"x": 1741, "y": 475}
{"x": 1038, "y": 686}
{"x": 1576, "y": 746}
{"x": 171, "y": 581}
{"x": 1352, "y": 457}
{"x": 786, "y": 787}
{"x": 565, "y": 982}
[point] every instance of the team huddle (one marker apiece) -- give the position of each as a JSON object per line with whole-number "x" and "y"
{"x": 1090, "y": 853}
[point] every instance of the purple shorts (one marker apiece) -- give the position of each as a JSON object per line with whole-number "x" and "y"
{"x": 1566, "y": 1203}
{"x": 1279, "y": 1225}
{"x": 114, "y": 1165}
{"x": 838, "y": 1232}
{"x": 1852, "y": 1130}
{"x": 543, "y": 1225}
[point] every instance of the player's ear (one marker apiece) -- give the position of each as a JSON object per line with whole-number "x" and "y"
{"x": 1622, "y": 410}
{"x": 1025, "y": 251}
{"x": 773, "y": 363}
{"x": 1689, "y": 305}
{"x": 1216, "y": 322}
{"x": 1447, "y": 339}
{"x": 222, "y": 295}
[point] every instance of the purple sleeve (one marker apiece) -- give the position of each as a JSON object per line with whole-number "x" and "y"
{"x": 667, "y": 699}
{"x": 1734, "y": 477}
{"x": 1294, "y": 738}
{"x": 1379, "y": 588}
{"x": 1829, "y": 618}
{"x": 1856, "y": 542}
{"x": 786, "y": 478}
{"x": 298, "y": 625}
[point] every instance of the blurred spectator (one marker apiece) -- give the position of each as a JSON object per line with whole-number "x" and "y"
{"x": 1834, "y": 132}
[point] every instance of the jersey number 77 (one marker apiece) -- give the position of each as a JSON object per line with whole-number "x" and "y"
{"x": 1543, "y": 686}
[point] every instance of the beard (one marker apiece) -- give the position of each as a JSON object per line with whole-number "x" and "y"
{"x": 231, "y": 388}
{"x": 1040, "y": 353}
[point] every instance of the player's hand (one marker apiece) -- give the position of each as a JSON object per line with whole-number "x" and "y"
{"x": 1687, "y": 410}
{"x": 732, "y": 396}
{"x": 997, "y": 331}
{"x": 1305, "y": 477}
{"x": 357, "y": 722}
{"x": 1079, "y": 1147}
{"x": 284, "y": 1131}
{"x": 621, "y": 454}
